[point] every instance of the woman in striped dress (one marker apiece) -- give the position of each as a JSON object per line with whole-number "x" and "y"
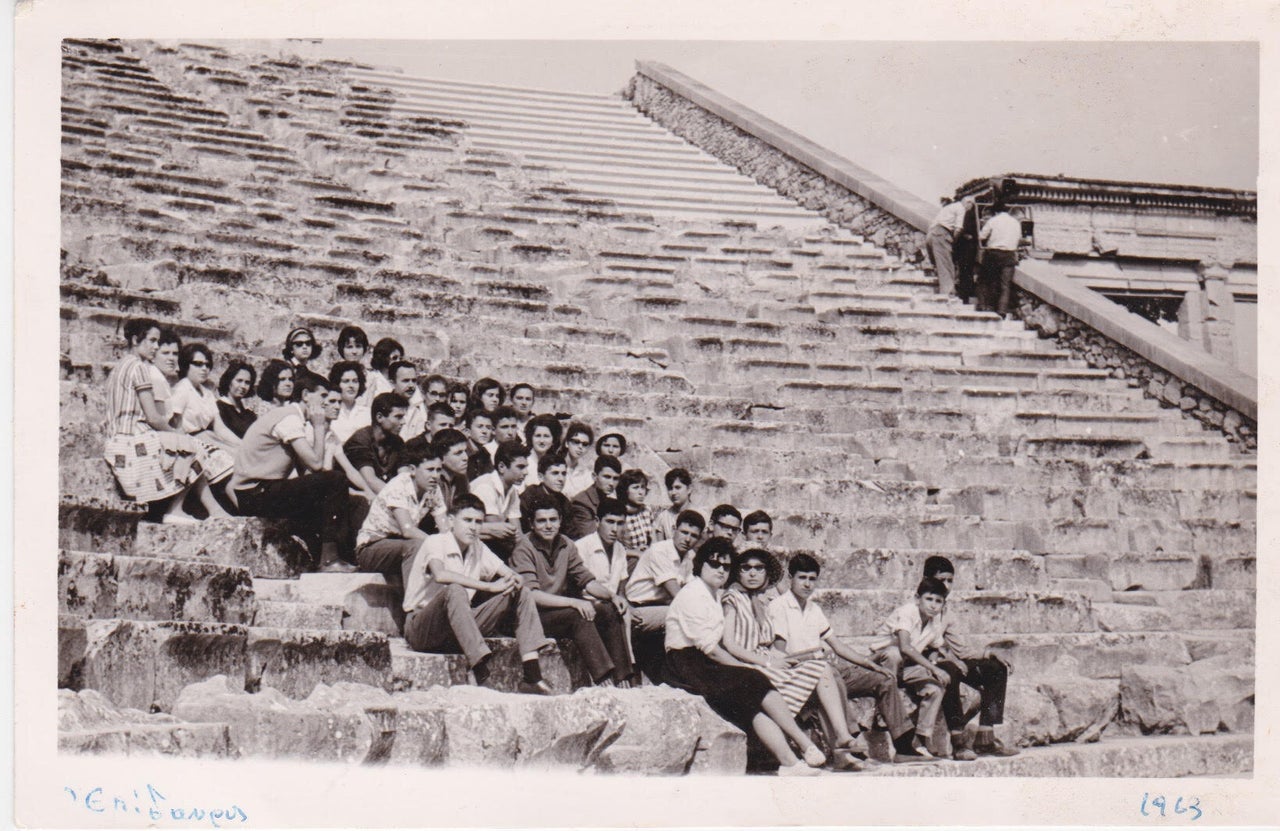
{"x": 748, "y": 636}
{"x": 153, "y": 461}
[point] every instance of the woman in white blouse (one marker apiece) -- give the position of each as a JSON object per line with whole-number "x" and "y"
{"x": 347, "y": 377}
{"x": 194, "y": 409}
{"x": 738, "y": 692}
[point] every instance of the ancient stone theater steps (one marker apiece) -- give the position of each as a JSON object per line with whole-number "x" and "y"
{"x": 1107, "y": 544}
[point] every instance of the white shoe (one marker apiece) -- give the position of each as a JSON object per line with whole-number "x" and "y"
{"x": 179, "y": 519}
{"x": 798, "y": 769}
{"x": 813, "y": 757}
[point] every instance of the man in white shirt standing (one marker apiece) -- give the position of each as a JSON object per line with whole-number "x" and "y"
{"x": 941, "y": 241}
{"x": 1000, "y": 236}
{"x": 440, "y": 599}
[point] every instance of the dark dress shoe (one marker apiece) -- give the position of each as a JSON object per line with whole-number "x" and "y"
{"x": 535, "y": 688}
{"x": 995, "y": 748}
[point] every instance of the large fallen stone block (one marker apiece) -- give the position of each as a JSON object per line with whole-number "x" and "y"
{"x": 294, "y": 661}
{"x": 145, "y": 665}
{"x": 89, "y": 723}
{"x": 1060, "y": 710}
{"x": 1202, "y": 697}
{"x": 264, "y": 547}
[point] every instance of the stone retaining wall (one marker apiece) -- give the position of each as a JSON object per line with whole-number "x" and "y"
{"x": 1102, "y": 352}
{"x": 777, "y": 158}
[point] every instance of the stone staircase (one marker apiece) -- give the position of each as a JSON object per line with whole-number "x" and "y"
{"x": 562, "y": 239}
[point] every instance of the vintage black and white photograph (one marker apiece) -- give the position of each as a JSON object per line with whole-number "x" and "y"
{"x": 838, "y": 410}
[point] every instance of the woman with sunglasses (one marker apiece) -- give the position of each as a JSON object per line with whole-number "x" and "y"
{"x": 195, "y": 404}
{"x": 300, "y": 348}
{"x": 748, "y": 636}
{"x": 577, "y": 438}
{"x": 737, "y": 691}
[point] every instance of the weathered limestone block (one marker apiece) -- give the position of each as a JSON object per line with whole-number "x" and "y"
{"x": 368, "y": 602}
{"x": 98, "y": 524}
{"x": 86, "y": 584}
{"x": 270, "y": 725}
{"x": 264, "y": 547}
{"x": 295, "y": 661}
{"x": 89, "y": 723}
{"x": 1154, "y": 572}
{"x": 561, "y": 668}
{"x": 1201, "y": 697}
{"x": 146, "y": 664}
{"x": 1060, "y": 709}
{"x": 160, "y": 589}
{"x": 670, "y": 731}
{"x": 73, "y": 641}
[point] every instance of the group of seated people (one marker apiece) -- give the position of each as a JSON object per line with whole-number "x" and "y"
{"x": 496, "y": 521}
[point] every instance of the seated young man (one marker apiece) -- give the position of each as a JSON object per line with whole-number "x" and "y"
{"x": 317, "y": 502}
{"x": 375, "y": 450}
{"x": 679, "y": 488}
{"x": 571, "y": 602}
{"x": 439, "y": 417}
{"x": 602, "y": 551}
{"x": 391, "y": 535}
{"x": 451, "y": 447}
{"x": 499, "y": 490}
{"x": 726, "y": 523}
{"x": 404, "y": 378}
{"x": 757, "y": 530}
{"x": 801, "y": 628}
{"x": 637, "y": 531}
{"x": 478, "y": 427}
{"x": 506, "y": 427}
{"x": 905, "y": 643}
{"x": 661, "y": 572}
{"x": 445, "y": 611}
{"x": 980, "y": 668}
{"x": 552, "y": 470}
{"x": 582, "y": 510}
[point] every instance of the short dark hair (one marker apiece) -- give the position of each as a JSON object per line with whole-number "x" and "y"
{"x": 756, "y": 518}
{"x": 610, "y": 462}
{"x": 381, "y": 358}
{"x": 474, "y": 413}
{"x": 168, "y": 336}
{"x": 521, "y": 386}
{"x": 271, "y": 378}
{"x": 446, "y": 440}
{"x": 576, "y": 427}
{"x": 436, "y": 379}
{"x": 622, "y": 442}
{"x": 456, "y": 387}
{"x": 545, "y": 420}
{"x": 508, "y": 452}
{"x": 384, "y": 403}
{"x": 714, "y": 547}
{"x": 550, "y": 460}
{"x": 394, "y": 369}
{"x": 342, "y": 368}
{"x": 721, "y": 511}
{"x": 463, "y": 501}
{"x": 543, "y": 502}
{"x": 634, "y": 476}
{"x": 691, "y": 517}
{"x": 677, "y": 474}
{"x": 352, "y": 333}
{"x": 188, "y": 352}
{"x": 502, "y": 412}
{"x": 482, "y": 386}
{"x": 937, "y": 564}
{"x": 611, "y": 506}
{"x": 229, "y": 375}
{"x": 417, "y": 450}
{"x": 932, "y": 585}
{"x": 135, "y": 329}
{"x": 287, "y": 350}
{"x": 803, "y": 562}
{"x": 439, "y": 408}
{"x": 308, "y": 383}
{"x": 772, "y": 568}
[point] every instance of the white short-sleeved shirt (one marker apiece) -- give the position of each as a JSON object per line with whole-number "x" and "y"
{"x": 659, "y": 563}
{"x": 951, "y": 216}
{"x": 578, "y": 480}
{"x": 198, "y": 408}
{"x": 478, "y": 563}
{"x": 1002, "y": 232}
{"x": 924, "y": 636}
{"x": 160, "y": 390}
{"x": 350, "y": 420}
{"x": 497, "y": 502}
{"x": 694, "y": 619}
{"x": 609, "y": 568}
{"x": 802, "y": 629}
{"x": 402, "y": 493}
{"x": 415, "y": 418}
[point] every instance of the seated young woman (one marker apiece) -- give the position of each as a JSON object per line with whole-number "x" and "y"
{"x": 386, "y": 352}
{"x": 300, "y": 349}
{"x": 194, "y": 411}
{"x": 154, "y": 462}
{"x": 577, "y": 438}
{"x": 748, "y": 636}
{"x": 236, "y": 384}
{"x": 276, "y": 386}
{"x": 348, "y": 378}
{"x": 737, "y": 691}
{"x": 542, "y": 434}
{"x": 487, "y": 394}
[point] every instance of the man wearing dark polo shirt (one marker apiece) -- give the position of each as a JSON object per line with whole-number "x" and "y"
{"x": 552, "y": 469}
{"x": 571, "y": 602}
{"x": 375, "y": 450}
{"x": 582, "y": 511}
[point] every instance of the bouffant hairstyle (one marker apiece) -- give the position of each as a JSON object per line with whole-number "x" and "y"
{"x": 550, "y": 422}
{"x": 382, "y": 352}
{"x": 271, "y": 378}
{"x": 137, "y": 328}
{"x": 715, "y": 547}
{"x": 342, "y": 368}
{"x": 229, "y": 375}
{"x": 188, "y": 353}
{"x": 772, "y": 568}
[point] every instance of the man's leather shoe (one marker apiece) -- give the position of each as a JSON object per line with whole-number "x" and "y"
{"x": 535, "y": 688}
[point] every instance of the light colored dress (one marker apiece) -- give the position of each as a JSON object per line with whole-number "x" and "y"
{"x": 198, "y": 408}
{"x": 755, "y": 633}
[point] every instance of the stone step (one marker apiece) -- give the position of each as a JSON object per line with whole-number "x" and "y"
{"x": 1065, "y": 536}
{"x": 1100, "y": 503}
{"x": 1163, "y": 570}
{"x": 263, "y": 547}
{"x": 294, "y": 661}
{"x": 562, "y": 669}
{"x": 367, "y": 602}
{"x": 856, "y": 496}
{"x": 90, "y": 724}
{"x": 142, "y": 588}
{"x": 733, "y": 461}
{"x": 862, "y": 611}
{"x": 981, "y": 570}
{"x": 1178, "y": 610}
{"x": 98, "y": 523}
{"x": 1108, "y": 473}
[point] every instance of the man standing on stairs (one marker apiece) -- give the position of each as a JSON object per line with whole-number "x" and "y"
{"x": 943, "y": 233}
{"x": 444, "y": 614}
{"x": 316, "y": 502}
{"x": 1000, "y": 236}
{"x": 981, "y": 669}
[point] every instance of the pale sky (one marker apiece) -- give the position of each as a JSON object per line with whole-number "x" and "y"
{"x": 928, "y": 115}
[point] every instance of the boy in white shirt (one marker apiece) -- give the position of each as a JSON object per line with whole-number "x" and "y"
{"x": 601, "y": 551}
{"x": 663, "y": 569}
{"x": 390, "y": 536}
{"x": 499, "y": 491}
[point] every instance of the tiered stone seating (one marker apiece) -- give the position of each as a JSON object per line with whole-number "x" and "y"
{"x": 1106, "y": 543}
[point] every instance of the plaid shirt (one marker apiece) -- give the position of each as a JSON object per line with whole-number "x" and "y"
{"x": 637, "y": 532}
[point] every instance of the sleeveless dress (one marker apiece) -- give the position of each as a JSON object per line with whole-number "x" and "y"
{"x": 795, "y": 684}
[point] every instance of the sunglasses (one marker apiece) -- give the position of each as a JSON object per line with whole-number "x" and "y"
{"x": 582, "y": 442}
{"x": 304, "y": 343}
{"x": 719, "y": 564}
{"x": 753, "y": 568}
